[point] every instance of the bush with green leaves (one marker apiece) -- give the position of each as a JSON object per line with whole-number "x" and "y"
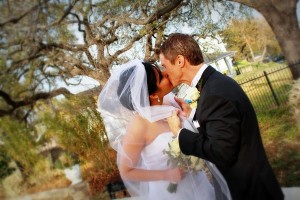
{"x": 66, "y": 160}
{"x": 19, "y": 144}
{"x": 77, "y": 127}
{"x": 5, "y": 169}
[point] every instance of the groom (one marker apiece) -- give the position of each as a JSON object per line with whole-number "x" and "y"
{"x": 228, "y": 134}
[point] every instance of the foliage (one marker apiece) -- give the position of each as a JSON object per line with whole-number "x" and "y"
{"x": 279, "y": 131}
{"x": 18, "y": 142}
{"x": 5, "y": 169}
{"x": 43, "y": 173}
{"x": 282, "y": 17}
{"x": 46, "y": 41}
{"x": 78, "y": 128}
{"x": 66, "y": 160}
{"x": 281, "y": 138}
{"x": 250, "y": 37}
{"x": 42, "y": 178}
{"x": 49, "y": 42}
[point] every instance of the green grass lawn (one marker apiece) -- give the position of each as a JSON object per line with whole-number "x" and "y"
{"x": 280, "y": 133}
{"x": 281, "y": 138}
{"x": 255, "y": 68}
{"x": 266, "y": 90}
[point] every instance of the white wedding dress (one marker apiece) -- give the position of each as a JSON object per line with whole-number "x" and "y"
{"x": 192, "y": 186}
{"x": 124, "y": 95}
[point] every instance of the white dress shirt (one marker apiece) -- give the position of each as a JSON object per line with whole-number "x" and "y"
{"x": 194, "y": 82}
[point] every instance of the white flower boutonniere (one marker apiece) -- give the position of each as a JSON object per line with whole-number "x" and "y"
{"x": 192, "y": 95}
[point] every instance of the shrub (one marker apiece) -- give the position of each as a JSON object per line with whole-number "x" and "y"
{"x": 19, "y": 144}
{"x": 5, "y": 169}
{"x": 78, "y": 128}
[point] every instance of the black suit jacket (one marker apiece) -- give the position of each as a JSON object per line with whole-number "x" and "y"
{"x": 229, "y": 137}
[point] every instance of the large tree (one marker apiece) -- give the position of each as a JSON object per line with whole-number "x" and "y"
{"x": 282, "y": 17}
{"x": 43, "y": 41}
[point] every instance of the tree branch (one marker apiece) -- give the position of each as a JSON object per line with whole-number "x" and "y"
{"x": 73, "y": 48}
{"x": 30, "y": 101}
{"x": 66, "y": 13}
{"x": 79, "y": 26}
{"x": 17, "y": 19}
{"x": 155, "y": 16}
{"x": 168, "y": 8}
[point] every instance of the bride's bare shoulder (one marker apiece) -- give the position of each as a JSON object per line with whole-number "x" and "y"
{"x": 138, "y": 125}
{"x": 139, "y": 122}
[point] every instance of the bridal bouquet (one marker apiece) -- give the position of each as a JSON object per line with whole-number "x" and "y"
{"x": 192, "y": 95}
{"x": 178, "y": 159}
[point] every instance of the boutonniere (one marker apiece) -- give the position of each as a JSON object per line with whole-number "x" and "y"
{"x": 192, "y": 95}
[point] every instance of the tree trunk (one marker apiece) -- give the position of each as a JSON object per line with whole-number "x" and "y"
{"x": 282, "y": 18}
{"x": 264, "y": 51}
{"x": 250, "y": 48}
{"x": 288, "y": 37}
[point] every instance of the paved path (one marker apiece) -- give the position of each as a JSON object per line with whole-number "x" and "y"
{"x": 290, "y": 193}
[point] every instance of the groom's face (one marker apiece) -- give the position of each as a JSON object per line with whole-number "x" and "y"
{"x": 173, "y": 70}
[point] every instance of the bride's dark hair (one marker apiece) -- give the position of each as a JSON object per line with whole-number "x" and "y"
{"x": 125, "y": 94}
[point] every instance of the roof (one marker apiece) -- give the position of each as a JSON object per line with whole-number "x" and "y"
{"x": 214, "y": 57}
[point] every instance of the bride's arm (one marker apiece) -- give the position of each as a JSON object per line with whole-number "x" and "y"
{"x": 133, "y": 144}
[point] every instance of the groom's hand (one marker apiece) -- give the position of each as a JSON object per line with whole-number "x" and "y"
{"x": 174, "y": 122}
{"x": 186, "y": 108}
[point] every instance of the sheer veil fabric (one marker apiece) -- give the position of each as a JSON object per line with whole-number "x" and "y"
{"x": 117, "y": 118}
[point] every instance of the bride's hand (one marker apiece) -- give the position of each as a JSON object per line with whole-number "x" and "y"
{"x": 174, "y": 175}
{"x": 174, "y": 122}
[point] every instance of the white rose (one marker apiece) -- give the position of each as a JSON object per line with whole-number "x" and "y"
{"x": 174, "y": 147}
{"x": 192, "y": 95}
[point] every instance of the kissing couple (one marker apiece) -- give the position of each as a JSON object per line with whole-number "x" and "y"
{"x": 143, "y": 118}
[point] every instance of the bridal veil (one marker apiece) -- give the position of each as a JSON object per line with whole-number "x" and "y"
{"x": 118, "y": 105}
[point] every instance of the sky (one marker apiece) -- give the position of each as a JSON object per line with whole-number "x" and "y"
{"x": 89, "y": 83}
{"x": 85, "y": 84}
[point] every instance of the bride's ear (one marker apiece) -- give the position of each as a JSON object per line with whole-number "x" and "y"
{"x": 154, "y": 98}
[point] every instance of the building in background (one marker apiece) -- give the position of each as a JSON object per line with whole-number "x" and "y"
{"x": 222, "y": 62}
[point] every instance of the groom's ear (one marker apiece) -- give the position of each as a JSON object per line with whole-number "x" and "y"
{"x": 180, "y": 60}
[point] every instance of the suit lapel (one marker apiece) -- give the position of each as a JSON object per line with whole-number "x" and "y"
{"x": 207, "y": 72}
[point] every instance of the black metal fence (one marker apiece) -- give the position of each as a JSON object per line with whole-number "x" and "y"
{"x": 269, "y": 89}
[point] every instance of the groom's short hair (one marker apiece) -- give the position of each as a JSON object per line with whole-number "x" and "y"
{"x": 182, "y": 44}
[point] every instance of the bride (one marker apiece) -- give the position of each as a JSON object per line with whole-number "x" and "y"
{"x": 134, "y": 105}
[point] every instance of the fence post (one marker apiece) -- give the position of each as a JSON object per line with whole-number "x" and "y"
{"x": 271, "y": 88}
